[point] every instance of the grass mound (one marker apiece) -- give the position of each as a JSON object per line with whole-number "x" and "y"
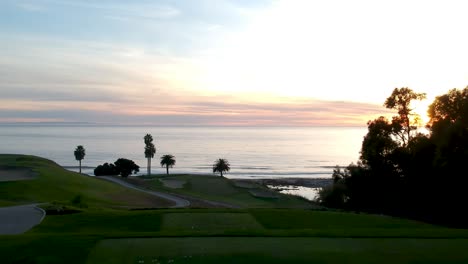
{"x": 53, "y": 183}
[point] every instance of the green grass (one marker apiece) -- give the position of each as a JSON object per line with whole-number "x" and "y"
{"x": 279, "y": 250}
{"x": 306, "y": 219}
{"x": 216, "y": 188}
{"x": 230, "y": 222}
{"x": 46, "y": 249}
{"x": 210, "y": 222}
{"x": 104, "y": 234}
{"x": 57, "y": 184}
{"x": 107, "y": 222}
{"x": 232, "y": 236}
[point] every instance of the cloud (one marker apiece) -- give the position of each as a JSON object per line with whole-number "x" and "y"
{"x": 39, "y": 69}
{"x": 83, "y": 81}
{"x": 31, "y": 7}
{"x": 65, "y": 93}
{"x": 197, "y": 62}
{"x": 124, "y": 9}
{"x": 197, "y": 111}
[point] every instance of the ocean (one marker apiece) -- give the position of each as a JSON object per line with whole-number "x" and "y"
{"x": 253, "y": 152}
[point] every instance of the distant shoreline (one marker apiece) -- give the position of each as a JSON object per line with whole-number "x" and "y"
{"x": 275, "y": 181}
{"x": 248, "y": 176}
{"x": 306, "y": 182}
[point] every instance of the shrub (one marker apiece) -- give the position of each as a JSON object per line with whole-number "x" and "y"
{"x": 123, "y": 167}
{"x": 78, "y": 202}
{"x": 333, "y": 195}
{"x": 106, "y": 169}
{"x": 59, "y": 208}
{"x": 126, "y": 167}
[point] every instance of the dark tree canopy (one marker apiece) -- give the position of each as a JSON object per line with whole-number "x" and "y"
{"x": 406, "y": 120}
{"x": 452, "y": 106}
{"x": 106, "y": 170}
{"x": 150, "y": 149}
{"x": 405, "y": 173}
{"x": 221, "y": 165}
{"x": 167, "y": 161}
{"x": 80, "y": 152}
{"x": 449, "y": 127}
{"x": 378, "y": 142}
{"x": 126, "y": 167}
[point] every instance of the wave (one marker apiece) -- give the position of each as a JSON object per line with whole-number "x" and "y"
{"x": 332, "y": 167}
{"x": 281, "y": 173}
{"x": 324, "y": 167}
{"x": 202, "y": 167}
{"x": 254, "y": 168}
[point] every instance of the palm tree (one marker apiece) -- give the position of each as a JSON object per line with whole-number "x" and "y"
{"x": 150, "y": 150}
{"x": 168, "y": 161}
{"x": 80, "y": 153}
{"x": 221, "y": 165}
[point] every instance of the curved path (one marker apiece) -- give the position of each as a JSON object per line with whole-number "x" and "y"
{"x": 19, "y": 219}
{"x": 179, "y": 202}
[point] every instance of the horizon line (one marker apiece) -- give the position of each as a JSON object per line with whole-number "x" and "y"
{"x": 159, "y": 125}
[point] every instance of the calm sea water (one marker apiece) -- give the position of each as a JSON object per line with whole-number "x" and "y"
{"x": 252, "y": 151}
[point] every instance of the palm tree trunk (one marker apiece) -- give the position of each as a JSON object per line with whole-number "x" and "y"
{"x": 221, "y": 173}
{"x": 167, "y": 169}
{"x": 149, "y": 166}
{"x": 80, "y": 166}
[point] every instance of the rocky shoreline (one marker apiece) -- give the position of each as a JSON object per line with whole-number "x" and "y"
{"x": 306, "y": 182}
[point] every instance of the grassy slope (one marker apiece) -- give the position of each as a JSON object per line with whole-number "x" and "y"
{"x": 56, "y": 183}
{"x": 220, "y": 189}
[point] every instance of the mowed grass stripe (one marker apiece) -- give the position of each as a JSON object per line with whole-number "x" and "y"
{"x": 224, "y": 222}
{"x": 107, "y": 222}
{"x": 210, "y": 222}
{"x": 279, "y": 250}
{"x": 307, "y": 219}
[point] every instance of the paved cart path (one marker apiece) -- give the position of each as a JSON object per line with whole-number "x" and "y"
{"x": 179, "y": 202}
{"x": 19, "y": 219}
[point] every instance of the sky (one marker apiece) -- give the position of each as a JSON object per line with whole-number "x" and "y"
{"x": 224, "y": 62}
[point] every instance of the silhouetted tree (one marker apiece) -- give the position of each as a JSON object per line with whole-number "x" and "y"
{"x": 378, "y": 143}
{"x": 126, "y": 167}
{"x": 404, "y": 173}
{"x": 406, "y": 121}
{"x": 452, "y": 106}
{"x": 168, "y": 161}
{"x": 150, "y": 150}
{"x": 384, "y": 159}
{"x": 221, "y": 165}
{"x": 80, "y": 153}
{"x": 449, "y": 127}
{"x": 106, "y": 170}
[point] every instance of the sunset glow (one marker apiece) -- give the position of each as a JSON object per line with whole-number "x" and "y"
{"x": 293, "y": 63}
